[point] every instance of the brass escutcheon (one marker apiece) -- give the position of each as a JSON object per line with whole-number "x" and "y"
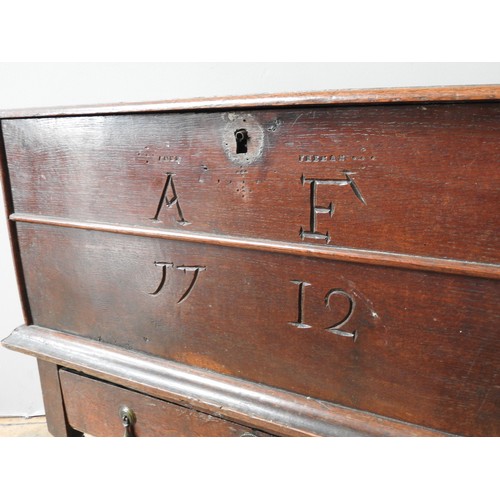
{"x": 128, "y": 419}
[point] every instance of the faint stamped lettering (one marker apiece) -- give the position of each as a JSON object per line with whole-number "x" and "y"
{"x": 169, "y": 159}
{"x": 149, "y": 156}
{"x": 363, "y": 156}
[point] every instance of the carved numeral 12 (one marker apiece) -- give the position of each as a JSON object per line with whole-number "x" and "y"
{"x": 336, "y": 327}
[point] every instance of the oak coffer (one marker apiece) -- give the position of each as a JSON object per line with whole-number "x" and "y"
{"x": 303, "y": 264}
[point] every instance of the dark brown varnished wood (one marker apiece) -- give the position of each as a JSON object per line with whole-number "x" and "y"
{"x": 305, "y": 264}
{"x": 93, "y": 407}
{"x": 55, "y": 412}
{"x": 454, "y": 93}
{"x": 254, "y": 405}
{"x": 14, "y": 245}
{"x": 404, "y": 179}
{"x": 419, "y": 336}
{"x": 388, "y": 259}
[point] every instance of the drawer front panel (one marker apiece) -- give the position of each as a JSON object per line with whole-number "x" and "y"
{"x": 93, "y": 407}
{"x": 419, "y": 347}
{"x": 408, "y": 178}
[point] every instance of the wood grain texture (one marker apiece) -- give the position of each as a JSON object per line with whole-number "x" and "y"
{"x": 277, "y": 411}
{"x": 425, "y": 348}
{"x": 417, "y": 180}
{"x": 322, "y": 98}
{"x": 303, "y": 264}
{"x": 93, "y": 407}
{"x": 14, "y": 245}
{"x": 57, "y": 421}
{"x": 388, "y": 259}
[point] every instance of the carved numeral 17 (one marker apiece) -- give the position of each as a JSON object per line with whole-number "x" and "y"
{"x": 166, "y": 265}
{"x": 336, "y": 327}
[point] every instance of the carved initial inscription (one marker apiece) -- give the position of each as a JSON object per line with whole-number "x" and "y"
{"x": 313, "y": 232}
{"x": 300, "y": 316}
{"x": 336, "y": 327}
{"x": 170, "y": 199}
{"x": 170, "y": 265}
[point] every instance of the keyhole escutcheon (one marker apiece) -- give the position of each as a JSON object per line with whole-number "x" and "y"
{"x": 241, "y": 136}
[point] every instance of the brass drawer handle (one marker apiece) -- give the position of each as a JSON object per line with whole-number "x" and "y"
{"x": 128, "y": 419}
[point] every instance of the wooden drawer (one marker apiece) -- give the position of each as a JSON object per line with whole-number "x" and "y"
{"x": 394, "y": 342}
{"x": 405, "y": 178}
{"x": 93, "y": 406}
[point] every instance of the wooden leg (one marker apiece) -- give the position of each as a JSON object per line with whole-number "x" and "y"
{"x": 53, "y": 401}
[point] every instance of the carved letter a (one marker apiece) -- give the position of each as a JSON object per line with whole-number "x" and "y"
{"x": 170, "y": 201}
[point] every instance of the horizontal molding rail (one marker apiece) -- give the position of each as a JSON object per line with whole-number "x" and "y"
{"x": 267, "y": 408}
{"x": 454, "y": 93}
{"x": 372, "y": 257}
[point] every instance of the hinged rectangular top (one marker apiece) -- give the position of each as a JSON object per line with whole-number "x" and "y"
{"x": 333, "y": 97}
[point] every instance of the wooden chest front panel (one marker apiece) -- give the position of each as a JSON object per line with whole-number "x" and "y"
{"x": 420, "y": 347}
{"x": 416, "y": 179}
{"x": 347, "y": 254}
